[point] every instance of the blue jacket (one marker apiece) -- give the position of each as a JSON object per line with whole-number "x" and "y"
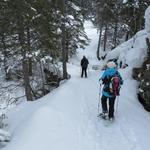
{"x": 109, "y": 72}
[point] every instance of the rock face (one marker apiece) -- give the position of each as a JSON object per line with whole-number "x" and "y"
{"x": 143, "y": 76}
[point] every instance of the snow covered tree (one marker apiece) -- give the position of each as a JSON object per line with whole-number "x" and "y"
{"x": 34, "y": 30}
{"x": 72, "y": 32}
{"x": 107, "y": 19}
{"x": 115, "y": 18}
{"x": 133, "y": 15}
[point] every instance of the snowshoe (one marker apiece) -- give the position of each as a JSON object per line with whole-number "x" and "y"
{"x": 103, "y": 116}
{"x": 111, "y": 119}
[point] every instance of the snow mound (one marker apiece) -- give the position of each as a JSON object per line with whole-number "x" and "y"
{"x": 131, "y": 52}
{"x": 134, "y": 51}
{"x": 147, "y": 19}
{"x": 4, "y": 136}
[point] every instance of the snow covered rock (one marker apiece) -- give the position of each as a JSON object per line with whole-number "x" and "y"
{"x": 144, "y": 87}
{"x": 4, "y": 136}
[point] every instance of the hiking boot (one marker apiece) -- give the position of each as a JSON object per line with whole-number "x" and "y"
{"x": 103, "y": 115}
{"x": 111, "y": 119}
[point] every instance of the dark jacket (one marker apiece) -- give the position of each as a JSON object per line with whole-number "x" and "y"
{"x": 84, "y": 62}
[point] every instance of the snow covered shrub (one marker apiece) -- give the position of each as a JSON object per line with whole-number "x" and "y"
{"x": 46, "y": 76}
{"x": 9, "y": 95}
{"x": 6, "y": 101}
{"x": 4, "y": 135}
{"x": 2, "y": 119}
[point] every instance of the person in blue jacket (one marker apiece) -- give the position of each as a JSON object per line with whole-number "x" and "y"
{"x": 106, "y": 94}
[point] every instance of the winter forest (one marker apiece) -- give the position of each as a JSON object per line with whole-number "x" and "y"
{"x": 46, "y": 103}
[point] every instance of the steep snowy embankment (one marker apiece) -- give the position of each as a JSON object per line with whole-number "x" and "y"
{"x": 66, "y": 119}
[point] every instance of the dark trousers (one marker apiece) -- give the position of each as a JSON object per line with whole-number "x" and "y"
{"x": 111, "y": 105}
{"x": 84, "y": 72}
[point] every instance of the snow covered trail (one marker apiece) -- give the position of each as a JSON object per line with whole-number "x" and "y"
{"x": 69, "y": 121}
{"x": 66, "y": 119}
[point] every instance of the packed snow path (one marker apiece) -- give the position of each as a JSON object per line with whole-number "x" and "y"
{"x": 66, "y": 119}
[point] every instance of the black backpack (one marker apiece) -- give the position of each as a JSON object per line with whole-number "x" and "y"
{"x": 84, "y": 63}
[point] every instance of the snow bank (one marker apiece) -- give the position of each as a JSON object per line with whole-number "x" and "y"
{"x": 125, "y": 1}
{"x": 147, "y": 20}
{"x": 134, "y": 51}
{"x": 131, "y": 52}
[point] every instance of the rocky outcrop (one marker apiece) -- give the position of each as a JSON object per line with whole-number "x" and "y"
{"x": 143, "y": 76}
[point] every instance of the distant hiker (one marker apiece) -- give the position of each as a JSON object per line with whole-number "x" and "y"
{"x": 112, "y": 80}
{"x": 84, "y": 65}
{"x": 124, "y": 66}
{"x": 115, "y": 60}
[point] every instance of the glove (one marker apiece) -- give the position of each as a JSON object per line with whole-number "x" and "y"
{"x": 100, "y": 81}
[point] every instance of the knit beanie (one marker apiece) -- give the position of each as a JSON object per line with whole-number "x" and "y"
{"x": 111, "y": 64}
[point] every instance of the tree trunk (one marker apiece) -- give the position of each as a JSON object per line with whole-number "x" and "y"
{"x": 136, "y": 21}
{"x": 7, "y": 73}
{"x": 64, "y": 52}
{"x": 28, "y": 91}
{"x": 140, "y": 22}
{"x": 135, "y": 26}
{"x": 115, "y": 33}
{"x": 105, "y": 37}
{"x": 43, "y": 78}
{"x": 67, "y": 47}
{"x": 29, "y": 49}
{"x": 99, "y": 44}
{"x": 64, "y": 42}
{"x": 127, "y": 36}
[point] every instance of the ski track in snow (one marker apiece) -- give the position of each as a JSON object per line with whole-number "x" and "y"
{"x": 66, "y": 119}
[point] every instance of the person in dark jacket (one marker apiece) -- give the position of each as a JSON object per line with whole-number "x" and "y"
{"x": 106, "y": 94}
{"x": 84, "y": 65}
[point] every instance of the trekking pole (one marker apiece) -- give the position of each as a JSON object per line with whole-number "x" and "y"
{"x": 88, "y": 70}
{"x": 99, "y": 99}
{"x": 117, "y": 104}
